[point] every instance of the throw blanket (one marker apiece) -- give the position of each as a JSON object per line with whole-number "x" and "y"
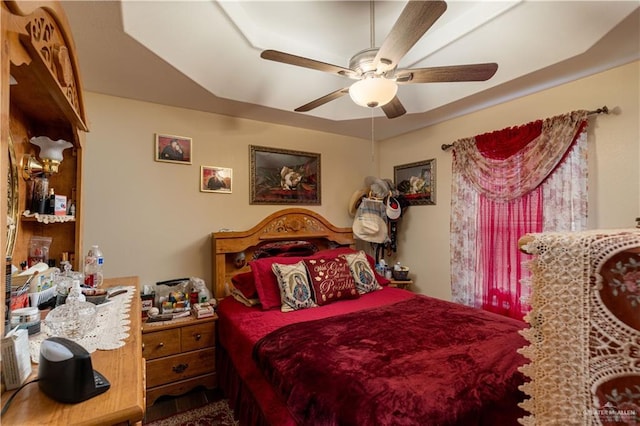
{"x": 421, "y": 361}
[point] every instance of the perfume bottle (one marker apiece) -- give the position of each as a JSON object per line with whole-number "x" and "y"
{"x": 51, "y": 202}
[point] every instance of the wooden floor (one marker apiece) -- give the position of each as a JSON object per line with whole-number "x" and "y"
{"x": 166, "y": 406}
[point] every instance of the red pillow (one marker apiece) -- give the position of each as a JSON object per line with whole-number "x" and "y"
{"x": 266, "y": 282}
{"x": 245, "y": 284}
{"x": 331, "y": 279}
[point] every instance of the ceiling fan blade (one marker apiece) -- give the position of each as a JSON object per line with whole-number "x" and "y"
{"x": 416, "y": 18}
{"x": 287, "y": 58}
{"x": 394, "y": 108}
{"x": 323, "y": 100}
{"x": 474, "y": 72}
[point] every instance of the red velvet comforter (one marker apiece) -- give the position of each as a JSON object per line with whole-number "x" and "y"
{"x": 420, "y": 361}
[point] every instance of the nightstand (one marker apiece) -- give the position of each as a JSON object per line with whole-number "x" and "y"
{"x": 180, "y": 355}
{"x": 401, "y": 284}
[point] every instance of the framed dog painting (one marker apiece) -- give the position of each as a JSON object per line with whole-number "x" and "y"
{"x": 417, "y": 182}
{"x": 280, "y": 176}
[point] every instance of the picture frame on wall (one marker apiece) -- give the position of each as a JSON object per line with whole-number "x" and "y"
{"x": 416, "y": 182}
{"x": 173, "y": 149}
{"x": 281, "y": 176}
{"x": 216, "y": 179}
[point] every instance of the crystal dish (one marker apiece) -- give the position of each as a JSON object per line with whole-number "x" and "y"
{"x": 72, "y": 320}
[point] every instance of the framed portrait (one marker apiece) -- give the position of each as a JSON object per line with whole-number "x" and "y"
{"x": 416, "y": 182}
{"x": 173, "y": 149}
{"x": 280, "y": 176}
{"x": 216, "y": 179}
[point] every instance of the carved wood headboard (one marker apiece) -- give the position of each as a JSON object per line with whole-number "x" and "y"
{"x": 294, "y": 224}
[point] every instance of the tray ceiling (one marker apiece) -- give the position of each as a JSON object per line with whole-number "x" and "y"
{"x": 205, "y": 55}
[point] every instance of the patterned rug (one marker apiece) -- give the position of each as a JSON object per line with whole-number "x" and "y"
{"x": 214, "y": 414}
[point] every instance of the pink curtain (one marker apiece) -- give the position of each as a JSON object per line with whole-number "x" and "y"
{"x": 503, "y": 187}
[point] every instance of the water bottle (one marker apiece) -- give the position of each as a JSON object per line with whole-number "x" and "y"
{"x": 90, "y": 271}
{"x": 96, "y": 254}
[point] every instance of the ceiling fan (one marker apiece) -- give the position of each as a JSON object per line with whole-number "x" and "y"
{"x": 375, "y": 69}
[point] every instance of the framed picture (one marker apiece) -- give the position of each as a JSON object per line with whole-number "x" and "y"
{"x": 216, "y": 179}
{"x": 173, "y": 149}
{"x": 280, "y": 176}
{"x": 417, "y": 182}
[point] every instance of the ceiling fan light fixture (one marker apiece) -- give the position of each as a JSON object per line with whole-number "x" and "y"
{"x": 373, "y": 92}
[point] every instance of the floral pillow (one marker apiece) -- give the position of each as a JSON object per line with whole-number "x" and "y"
{"x": 362, "y": 273}
{"x": 331, "y": 279}
{"x": 295, "y": 291}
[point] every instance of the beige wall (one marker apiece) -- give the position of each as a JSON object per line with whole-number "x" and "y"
{"x": 152, "y": 221}
{"x": 150, "y": 218}
{"x": 614, "y": 159}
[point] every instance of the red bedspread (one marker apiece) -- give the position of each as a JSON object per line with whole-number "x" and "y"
{"x": 240, "y": 327}
{"x": 420, "y": 361}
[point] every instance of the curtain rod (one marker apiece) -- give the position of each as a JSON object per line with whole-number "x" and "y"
{"x": 603, "y": 110}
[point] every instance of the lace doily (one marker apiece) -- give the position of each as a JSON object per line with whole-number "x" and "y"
{"x": 584, "y": 334}
{"x": 112, "y": 327}
{"x": 49, "y": 218}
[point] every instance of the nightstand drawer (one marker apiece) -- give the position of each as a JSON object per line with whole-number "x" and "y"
{"x": 179, "y": 367}
{"x": 198, "y": 336}
{"x": 160, "y": 343}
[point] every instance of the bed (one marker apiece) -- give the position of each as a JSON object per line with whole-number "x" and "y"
{"x": 321, "y": 353}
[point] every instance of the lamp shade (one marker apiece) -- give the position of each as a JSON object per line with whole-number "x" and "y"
{"x": 373, "y": 91}
{"x": 50, "y": 149}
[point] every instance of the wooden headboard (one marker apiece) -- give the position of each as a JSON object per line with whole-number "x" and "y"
{"x": 293, "y": 224}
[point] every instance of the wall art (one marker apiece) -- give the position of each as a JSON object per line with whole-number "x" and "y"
{"x": 216, "y": 179}
{"x": 417, "y": 182}
{"x": 173, "y": 149}
{"x": 280, "y": 176}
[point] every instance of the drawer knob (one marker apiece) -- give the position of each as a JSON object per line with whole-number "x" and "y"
{"x": 161, "y": 344}
{"x": 180, "y": 368}
{"x": 198, "y": 336}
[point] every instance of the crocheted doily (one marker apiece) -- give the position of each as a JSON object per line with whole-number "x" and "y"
{"x": 584, "y": 329}
{"x": 112, "y": 327}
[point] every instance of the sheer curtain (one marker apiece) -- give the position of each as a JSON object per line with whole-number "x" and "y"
{"x": 530, "y": 178}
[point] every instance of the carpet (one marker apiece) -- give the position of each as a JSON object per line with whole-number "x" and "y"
{"x": 214, "y": 414}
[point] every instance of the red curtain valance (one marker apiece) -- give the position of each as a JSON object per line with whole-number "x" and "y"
{"x": 509, "y": 163}
{"x": 502, "y": 144}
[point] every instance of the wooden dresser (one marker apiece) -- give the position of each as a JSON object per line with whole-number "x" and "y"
{"x": 180, "y": 355}
{"x": 122, "y": 403}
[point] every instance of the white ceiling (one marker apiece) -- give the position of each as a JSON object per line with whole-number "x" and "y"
{"x": 205, "y": 55}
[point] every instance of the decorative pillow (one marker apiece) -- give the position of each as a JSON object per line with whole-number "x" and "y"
{"x": 245, "y": 284}
{"x": 295, "y": 291}
{"x": 362, "y": 273}
{"x": 331, "y": 279}
{"x": 266, "y": 282}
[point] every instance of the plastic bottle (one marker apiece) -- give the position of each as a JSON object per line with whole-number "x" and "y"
{"x": 203, "y": 296}
{"x": 96, "y": 253}
{"x": 90, "y": 271}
